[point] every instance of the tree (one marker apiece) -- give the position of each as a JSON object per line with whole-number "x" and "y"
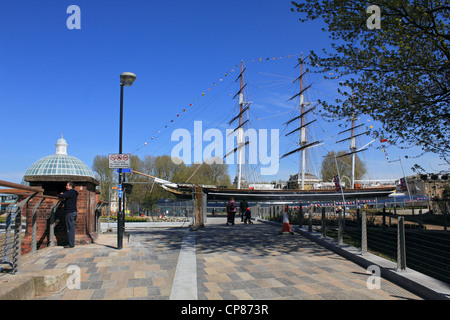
{"x": 145, "y": 192}
{"x": 328, "y": 169}
{"x": 137, "y": 197}
{"x": 160, "y": 167}
{"x": 399, "y": 74}
{"x": 209, "y": 172}
{"x": 104, "y": 175}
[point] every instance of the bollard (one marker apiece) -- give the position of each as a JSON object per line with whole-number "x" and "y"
{"x": 401, "y": 249}
{"x": 445, "y": 213}
{"x": 343, "y": 215}
{"x": 258, "y": 210}
{"x": 363, "y": 234}
{"x": 340, "y": 242}
{"x": 323, "y": 223}
{"x": 420, "y": 219}
{"x": 311, "y": 210}
{"x": 390, "y": 218}
{"x": 300, "y": 215}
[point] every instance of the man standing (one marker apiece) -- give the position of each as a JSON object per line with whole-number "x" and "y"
{"x": 70, "y": 210}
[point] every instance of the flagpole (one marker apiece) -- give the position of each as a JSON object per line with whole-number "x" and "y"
{"x": 406, "y": 182}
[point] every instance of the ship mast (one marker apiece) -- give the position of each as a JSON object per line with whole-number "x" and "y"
{"x": 303, "y": 142}
{"x": 243, "y": 106}
{"x": 302, "y": 138}
{"x": 353, "y": 149}
{"x": 240, "y": 137}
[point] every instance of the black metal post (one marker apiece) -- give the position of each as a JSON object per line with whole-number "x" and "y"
{"x": 445, "y": 212}
{"x": 300, "y": 215}
{"x": 323, "y": 235}
{"x": 401, "y": 245}
{"x": 120, "y": 213}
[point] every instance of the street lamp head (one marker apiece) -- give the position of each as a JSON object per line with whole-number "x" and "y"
{"x": 127, "y": 79}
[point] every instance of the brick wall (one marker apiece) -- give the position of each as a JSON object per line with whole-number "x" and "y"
{"x": 84, "y": 227}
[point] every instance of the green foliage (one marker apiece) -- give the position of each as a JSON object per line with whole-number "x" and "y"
{"x": 398, "y": 74}
{"x": 328, "y": 169}
{"x": 146, "y": 193}
{"x": 104, "y": 175}
{"x": 446, "y": 193}
{"x": 131, "y": 219}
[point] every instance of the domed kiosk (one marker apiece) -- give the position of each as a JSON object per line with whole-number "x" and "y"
{"x": 52, "y": 173}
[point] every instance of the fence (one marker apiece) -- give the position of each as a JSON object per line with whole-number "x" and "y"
{"x": 184, "y": 209}
{"x": 393, "y": 237}
{"x": 8, "y": 238}
{"x": 11, "y": 231}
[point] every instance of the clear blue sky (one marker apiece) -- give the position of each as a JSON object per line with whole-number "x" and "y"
{"x": 55, "y": 80}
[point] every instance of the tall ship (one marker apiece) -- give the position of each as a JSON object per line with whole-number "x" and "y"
{"x": 296, "y": 192}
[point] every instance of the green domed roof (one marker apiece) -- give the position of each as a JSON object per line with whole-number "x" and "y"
{"x": 59, "y": 164}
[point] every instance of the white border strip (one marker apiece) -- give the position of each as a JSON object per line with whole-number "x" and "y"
{"x": 184, "y": 285}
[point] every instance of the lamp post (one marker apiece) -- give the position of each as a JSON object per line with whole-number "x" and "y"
{"x": 126, "y": 79}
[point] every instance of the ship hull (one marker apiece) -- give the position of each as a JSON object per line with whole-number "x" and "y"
{"x": 222, "y": 194}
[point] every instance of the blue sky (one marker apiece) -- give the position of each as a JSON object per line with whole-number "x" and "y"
{"x": 55, "y": 80}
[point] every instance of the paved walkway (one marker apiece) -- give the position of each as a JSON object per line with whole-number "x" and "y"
{"x": 218, "y": 262}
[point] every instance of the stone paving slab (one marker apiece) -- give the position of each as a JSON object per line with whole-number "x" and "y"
{"x": 255, "y": 262}
{"x": 240, "y": 262}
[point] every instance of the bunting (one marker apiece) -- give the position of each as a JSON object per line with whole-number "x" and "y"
{"x": 383, "y": 140}
{"x": 203, "y": 94}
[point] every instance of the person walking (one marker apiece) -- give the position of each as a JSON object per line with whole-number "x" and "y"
{"x": 70, "y": 211}
{"x": 248, "y": 216}
{"x": 243, "y": 208}
{"x": 231, "y": 211}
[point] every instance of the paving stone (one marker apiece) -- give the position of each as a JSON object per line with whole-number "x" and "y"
{"x": 246, "y": 262}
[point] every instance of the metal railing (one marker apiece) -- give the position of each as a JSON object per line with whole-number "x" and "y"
{"x": 409, "y": 244}
{"x": 182, "y": 209}
{"x": 11, "y": 234}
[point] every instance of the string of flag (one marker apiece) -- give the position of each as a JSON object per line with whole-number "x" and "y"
{"x": 204, "y": 93}
{"x": 383, "y": 140}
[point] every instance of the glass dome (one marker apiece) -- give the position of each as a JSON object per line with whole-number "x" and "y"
{"x": 59, "y": 163}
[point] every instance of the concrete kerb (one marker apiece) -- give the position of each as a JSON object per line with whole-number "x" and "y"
{"x": 144, "y": 225}
{"x": 411, "y": 280}
{"x": 17, "y": 288}
{"x": 29, "y": 285}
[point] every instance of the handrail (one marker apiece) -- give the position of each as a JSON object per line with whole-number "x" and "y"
{"x": 25, "y": 194}
{"x": 22, "y": 190}
{"x": 19, "y": 186}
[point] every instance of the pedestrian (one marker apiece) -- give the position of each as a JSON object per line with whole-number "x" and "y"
{"x": 70, "y": 211}
{"x": 242, "y": 208}
{"x": 231, "y": 211}
{"x": 213, "y": 211}
{"x": 248, "y": 216}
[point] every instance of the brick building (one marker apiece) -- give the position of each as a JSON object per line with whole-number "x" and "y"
{"x": 52, "y": 173}
{"x": 431, "y": 185}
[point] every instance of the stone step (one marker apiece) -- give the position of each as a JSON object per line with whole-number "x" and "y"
{"x": 27, "y": 286}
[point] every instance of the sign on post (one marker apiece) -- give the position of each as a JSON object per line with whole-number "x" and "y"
{"x": 120, "y": 191}
{"x": 119, "y": 161}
